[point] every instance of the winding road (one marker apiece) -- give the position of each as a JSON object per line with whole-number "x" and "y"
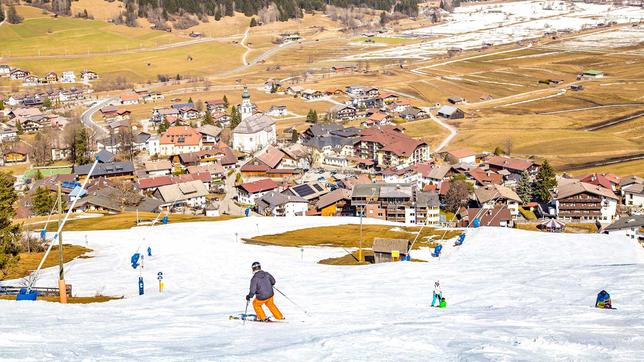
{"x": 86, "y": 117}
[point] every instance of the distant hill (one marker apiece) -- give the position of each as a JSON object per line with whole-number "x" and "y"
{"x": 286, "y": 9}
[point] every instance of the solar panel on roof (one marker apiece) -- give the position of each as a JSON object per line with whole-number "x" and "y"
{"x": 303, "y": 190}
{"x": 318, "y": 187}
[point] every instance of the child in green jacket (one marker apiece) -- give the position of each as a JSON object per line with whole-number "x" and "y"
{"x": 443, "y": 303}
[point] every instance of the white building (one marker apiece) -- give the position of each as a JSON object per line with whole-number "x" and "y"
{"x": 634, "y": 195}
{"x": 191, "y": 193}
{"x": 492, "y": 196}
{"x": 254, "y": 133}
{"x": 248, "y": 193}
{"x": 628, "y": 226}
{"x": 68, "y": 77}
{"x": 277, "y": 204}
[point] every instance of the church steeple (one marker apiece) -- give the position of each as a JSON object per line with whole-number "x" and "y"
{"x": 246, "y": 107}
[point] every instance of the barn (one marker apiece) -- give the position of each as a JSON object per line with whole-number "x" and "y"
{"x": 387, "y": 250}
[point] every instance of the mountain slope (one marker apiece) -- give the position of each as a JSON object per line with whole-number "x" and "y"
{"x": 511, "y": 295}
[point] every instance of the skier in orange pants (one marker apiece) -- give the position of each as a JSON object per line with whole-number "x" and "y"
{"x": 261, "y": 287}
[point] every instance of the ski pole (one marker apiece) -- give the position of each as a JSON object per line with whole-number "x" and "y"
{"x": 290, "y": 300}
{"x": 245, "y": 312}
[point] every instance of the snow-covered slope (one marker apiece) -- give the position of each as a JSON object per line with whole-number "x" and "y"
{"x": 512, "y": 295}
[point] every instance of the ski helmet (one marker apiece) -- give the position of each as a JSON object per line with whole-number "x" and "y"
{"x": 256, "y": 266}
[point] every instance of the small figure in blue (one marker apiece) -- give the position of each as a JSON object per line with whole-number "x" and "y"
{"x": 438, "y": 294}
{"x": 149, "y": 251}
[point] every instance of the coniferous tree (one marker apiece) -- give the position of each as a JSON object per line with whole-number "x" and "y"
{"x": 235, "y": 118}
{"x": 545, "y": 182}
{"x": 226, "y": 104}
{"x": 164, "y": 126}
{"x": 524, "y": 187}
{"x": 253, "y": 22}
{"x": 9, "y": 232}
{"x": 42, "y": 201}
{"x": 312, "y": 116}
{"x": 1, "y": 13}
{"x": 207, "y": 119}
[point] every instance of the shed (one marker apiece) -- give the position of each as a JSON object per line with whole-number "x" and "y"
{"x": 450, "y": 112}
{"x": 384, "y": 249}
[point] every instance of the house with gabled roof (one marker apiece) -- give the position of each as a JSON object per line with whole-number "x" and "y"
{"x": 388, "y": 146}
{"x": 179, "y": 139}
{"x": 583, "y": 202}
{"x": 514, "y": 165}
{"x": 254, "y": 133}
{"x": 274, "y": 203}
{"x": 491, "y": 196}
{"x": 248, "y": 193}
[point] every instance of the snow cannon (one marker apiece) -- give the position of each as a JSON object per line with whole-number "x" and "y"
{"x": 25, "y": 294}
{"x": 149, "y": 251}
{"x": 43, "y": 234}
{"x": 477, "y": 222}
{"x": 247, "y": 211}
{"x": 164, "y": 221}
{"x": 135, "y": 260}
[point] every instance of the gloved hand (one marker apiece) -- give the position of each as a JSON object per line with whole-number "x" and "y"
{"x": 248, "y": 298}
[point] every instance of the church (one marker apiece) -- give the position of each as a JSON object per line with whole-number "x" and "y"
{"x": 255, "y": 131}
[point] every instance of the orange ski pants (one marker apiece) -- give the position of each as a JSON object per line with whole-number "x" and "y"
{"x": 259, "y": 310}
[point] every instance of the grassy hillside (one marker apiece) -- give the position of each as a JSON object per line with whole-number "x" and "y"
{"x": 63, "y": 35}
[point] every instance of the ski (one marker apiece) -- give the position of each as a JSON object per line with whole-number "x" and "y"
{"x": 252, "y": 318}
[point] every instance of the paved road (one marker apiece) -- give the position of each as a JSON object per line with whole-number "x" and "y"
{"x": 86, "y": 117}
{"x": 452, "y": 130}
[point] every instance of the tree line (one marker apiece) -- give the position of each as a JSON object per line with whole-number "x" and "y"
{"x": 163, "y": 10}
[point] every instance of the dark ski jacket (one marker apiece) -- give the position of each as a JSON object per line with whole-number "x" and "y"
{"x": 261, "y": 285}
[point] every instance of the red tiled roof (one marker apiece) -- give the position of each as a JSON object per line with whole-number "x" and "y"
{"x": 259, "y": 186}
{"x": 271, "y": 157}
{"x": 152, "y": 182}
{"x": 181, "y": 136}
{"x": 251, "y": 167}
{"x": 600, "y": 179}
{"x": 485, "y": 177}
{"x": 461, "y": 153}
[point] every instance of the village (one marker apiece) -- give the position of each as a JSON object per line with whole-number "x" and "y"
{"x": 211, "y": 157}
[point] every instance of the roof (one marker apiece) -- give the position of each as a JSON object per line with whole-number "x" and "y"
{"x": 382, "y": 190}
{"x": 259, "y": 186}
{"x": 427, "y": 199}
{"x": 601, "y": 179}
{"x": 462, "y": 153}
{"x": 105, "y": 156}
{"x": 381, "y": 245}
{"x": 490, "y": 217}
{"x": 495, "y": 192}
{"x": 333, "y": 197}
{"x": 626, "y": 222}
{"x": 634, "y": 189}
{"x": 593, "y": 71}
{"x": 130, "y": 97}
{"x": 181, "y": 136}
{"x": 271, "y": 157}
{"x": 485, "y": 177}
{"x": 183, "y": 191}
{"x": 154, "y": 182}
{"x": 159, "y": 165}
{"x": 308, "y": 191}
{"x": 632, "y": 179}
{"x": 209, "y": 130}
{"x": 213, "y": 169}
{"x": 254, "y": 124}
{"x": 391, "y": 140}
{"x": 578, "y": 187}
{"x": 432, "y": 171}
{"x": 510, "y": 163}
{"x": 274, "y": 199}
{"x": 105, "y": 169}
{"x": 109, "y": 198}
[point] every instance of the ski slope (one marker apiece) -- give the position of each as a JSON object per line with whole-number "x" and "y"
{"x": 511, "y": 295}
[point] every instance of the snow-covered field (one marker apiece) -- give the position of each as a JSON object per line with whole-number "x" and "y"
{"x": 469, "y": 27}
{"x": 512, "y": 295}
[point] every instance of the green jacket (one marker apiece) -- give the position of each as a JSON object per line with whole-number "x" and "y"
{"x": 443, "y": 304}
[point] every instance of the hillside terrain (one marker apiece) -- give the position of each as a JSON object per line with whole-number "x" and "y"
{"x": 495, "y": 285}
